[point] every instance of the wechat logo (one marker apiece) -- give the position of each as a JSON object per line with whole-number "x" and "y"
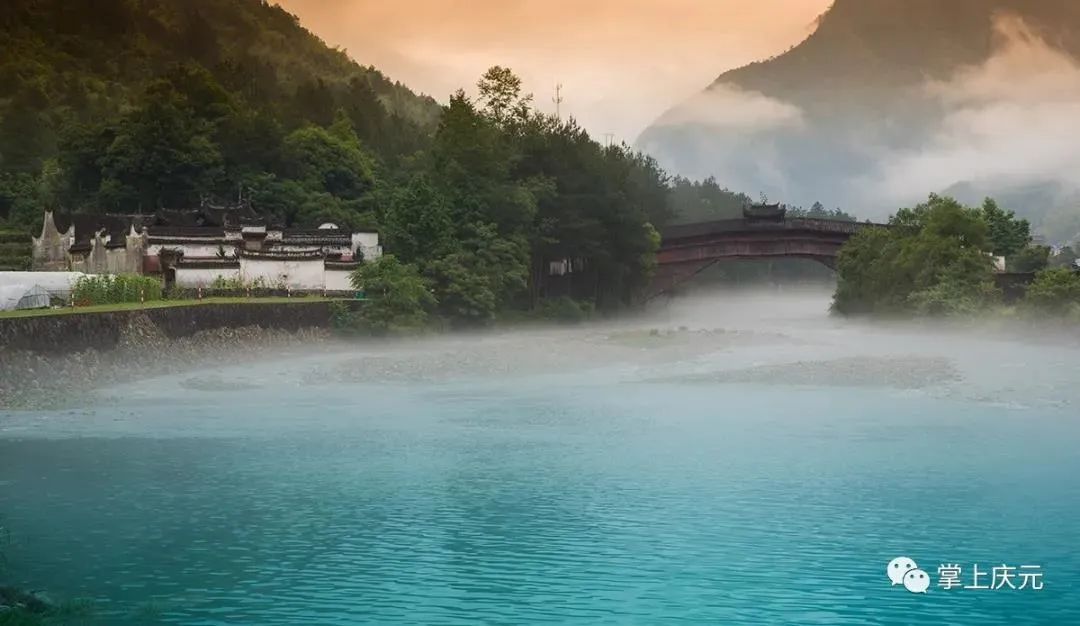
{"x": 904, "y": 571}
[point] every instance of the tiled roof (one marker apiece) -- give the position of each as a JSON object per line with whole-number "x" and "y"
{"x": 88, "y": 224}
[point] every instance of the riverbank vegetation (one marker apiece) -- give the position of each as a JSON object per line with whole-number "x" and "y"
{"x": 937, "y": 259}
{"x": 115, "y": 289}
{"x": 163, "y": 304}
{"x": 1055, "y": 292}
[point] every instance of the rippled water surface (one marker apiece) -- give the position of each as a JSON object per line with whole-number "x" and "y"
{"x": 763, "y": 472}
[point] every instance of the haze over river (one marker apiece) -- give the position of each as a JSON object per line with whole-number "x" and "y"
{"x": 761, "y": 466}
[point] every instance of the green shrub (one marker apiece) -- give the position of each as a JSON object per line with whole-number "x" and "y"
{"x": 399, "y": 298}
{"x": 110, "y": 289}
{"x": 565, "y": 309}
{"x": 343, "y": 319}
{"x": 1054, "y": 291}
{"x": 932, "y": 261}
{"x": 220, "y": 283}
{"x": 952, "y": 298}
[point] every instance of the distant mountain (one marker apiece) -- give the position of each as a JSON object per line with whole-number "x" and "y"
{"x": 889, "y": 100}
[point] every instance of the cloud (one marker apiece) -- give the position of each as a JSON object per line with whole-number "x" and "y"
{"x": 1011, "y": 121}
{"x": 729, "y": 108}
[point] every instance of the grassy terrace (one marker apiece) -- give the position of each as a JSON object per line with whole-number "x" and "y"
{"x": 157, "y": 304}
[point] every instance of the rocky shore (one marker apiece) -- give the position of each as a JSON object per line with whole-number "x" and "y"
{"x": 33, "y": 380}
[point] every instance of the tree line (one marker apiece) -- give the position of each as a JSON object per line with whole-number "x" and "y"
{"x": 502, "y": 192}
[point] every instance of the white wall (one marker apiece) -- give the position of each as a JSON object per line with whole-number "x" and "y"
{"x": 297, "y": 274}
{"x": 371, "y": 253}
{"x": 192, "y": 250}
{"x": 306, "y": 275}
{"x": 368, "y": 245}
{"x": 338, "y": 280}
{"x": 190, "y": 277}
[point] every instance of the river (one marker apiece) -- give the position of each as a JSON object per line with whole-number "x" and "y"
{"x": 733, "y": 459}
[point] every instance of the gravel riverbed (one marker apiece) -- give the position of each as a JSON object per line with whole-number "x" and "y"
{"x": 30, "y": 380}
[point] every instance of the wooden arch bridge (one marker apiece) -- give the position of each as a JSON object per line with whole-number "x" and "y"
{"x": 764, "y": 232}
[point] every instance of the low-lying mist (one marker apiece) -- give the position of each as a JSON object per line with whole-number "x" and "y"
{"x": 711, "y": 338}
{"x": 720, "y": 338}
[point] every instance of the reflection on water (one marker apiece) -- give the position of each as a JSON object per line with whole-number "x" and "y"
{"x": 760, "y": 466}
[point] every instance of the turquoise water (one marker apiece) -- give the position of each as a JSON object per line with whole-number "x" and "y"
{"x": 587, "y": 493}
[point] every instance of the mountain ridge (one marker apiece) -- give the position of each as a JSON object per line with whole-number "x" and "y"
{"x": 849, "y": 27}
{"x": 876, "y": 79}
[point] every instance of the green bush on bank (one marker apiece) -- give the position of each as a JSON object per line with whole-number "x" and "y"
{"x": 114, "y": 289}
{"x": 400, "y": 300}
{"x": 953, "y": 298}
{"x": 1054, "y": 292}
{"x": 565, "y": 310}
{"x": 933, "y": 261}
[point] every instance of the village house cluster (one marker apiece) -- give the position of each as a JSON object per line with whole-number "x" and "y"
{"x": 204, "y": 247}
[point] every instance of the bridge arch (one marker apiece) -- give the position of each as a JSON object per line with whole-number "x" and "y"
{"x": 688, "y": 249}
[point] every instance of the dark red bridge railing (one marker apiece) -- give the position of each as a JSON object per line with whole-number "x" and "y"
{"x": 703, "y": 229}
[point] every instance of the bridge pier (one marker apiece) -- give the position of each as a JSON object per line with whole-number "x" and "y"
{"x": 669, "y": 276}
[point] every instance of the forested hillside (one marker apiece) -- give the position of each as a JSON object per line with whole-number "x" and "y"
{"x": 127, "y": 105}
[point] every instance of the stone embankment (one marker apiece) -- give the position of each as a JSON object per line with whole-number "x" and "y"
{"x": 53, "y": 360}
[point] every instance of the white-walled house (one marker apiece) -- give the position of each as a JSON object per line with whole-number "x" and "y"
{"x": 293, "y": 270}
{"x": 205, "y": 247}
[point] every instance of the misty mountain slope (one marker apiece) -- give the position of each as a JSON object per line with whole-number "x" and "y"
{"x": 861, "y": 46}
{"x": 889, "y": 100}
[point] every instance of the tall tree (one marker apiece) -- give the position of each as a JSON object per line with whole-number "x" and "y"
{"x": 1008, "y": 235}
{"x": 501, "y": 97}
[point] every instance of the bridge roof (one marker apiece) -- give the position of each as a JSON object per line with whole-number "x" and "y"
{"x": 683, "y": 231}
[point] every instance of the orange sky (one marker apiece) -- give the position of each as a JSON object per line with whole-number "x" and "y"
{"x": 621, "y": 62}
